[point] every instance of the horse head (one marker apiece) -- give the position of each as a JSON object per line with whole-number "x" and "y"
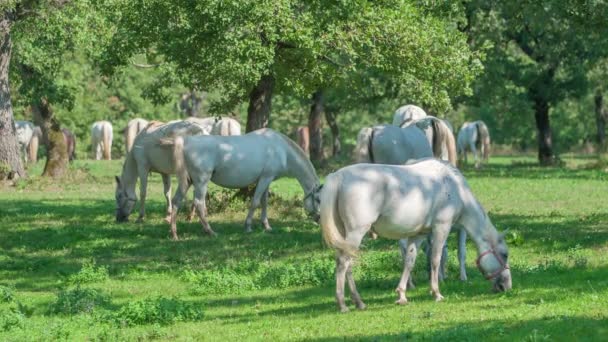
{"x": 494, "y": 265}
{"x": 124, "y": 203}
{"x": 312, "y": 203}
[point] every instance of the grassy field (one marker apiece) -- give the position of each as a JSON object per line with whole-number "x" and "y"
{"x": 69, "y": 272}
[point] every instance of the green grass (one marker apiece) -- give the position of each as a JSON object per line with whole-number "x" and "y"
{"x": 69, "y": 272}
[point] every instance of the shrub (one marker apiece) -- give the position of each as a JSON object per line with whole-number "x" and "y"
{"x": 6, "y": 294}
{"x": 78, "y": 300}
{"x": 159, "y": 310}
{"x": 11, "y": 318}
{"x": 89, "y": 273}
{"x": 219, "y": 281}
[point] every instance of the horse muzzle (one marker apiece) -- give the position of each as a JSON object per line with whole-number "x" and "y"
{"x": 503, "y": 282}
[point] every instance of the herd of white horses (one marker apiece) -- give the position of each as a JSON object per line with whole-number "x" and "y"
{"x": 404, "y": 185}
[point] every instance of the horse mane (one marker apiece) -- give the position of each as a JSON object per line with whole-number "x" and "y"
{"x": 298, "y": 152}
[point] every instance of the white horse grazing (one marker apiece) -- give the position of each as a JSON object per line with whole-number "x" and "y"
{"x": 258, "y": 157}
{"x": 25, "y": 131}
{"x": 101, "y": 139}
{"x": 406, "y": 201}
{"x": 404, "y": 114}
{"x": 390, "y": 144}
{"x": 474, "y": 135}
{"x": 148, "y": 156}
{"x": 132, "y": 130}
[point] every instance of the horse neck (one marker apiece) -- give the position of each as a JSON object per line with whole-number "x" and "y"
{"x": 301, "y": 168}
{"x": 128, "y": 178}
{"x": 479, "y": 227}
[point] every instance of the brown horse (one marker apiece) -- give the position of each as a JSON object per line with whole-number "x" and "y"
{"x": 303, "y": 139}
{"x": 70, "y": 143}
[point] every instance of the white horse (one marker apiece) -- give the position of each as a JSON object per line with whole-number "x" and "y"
{"x": 406, "y": 201}
{"x": 25, "y": 132}
{"x": 404, "y": 114}
{"x": 258, "y": 157}
{"x": 101, "y": 139}
{"x": 390, "y": 144}
{"x": 147, "y": 155}
{"x": 471, "y": 136}
{"x": 132, "y": 130}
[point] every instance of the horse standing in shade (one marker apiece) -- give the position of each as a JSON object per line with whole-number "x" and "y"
{"x": 406, "y": 201}
{"x": 218, "y": 125}
{"x": 145, "y": 156}
{"x": 101, "y": 139}
{"x": 132, "y": 130}
{"x": 474, "y": 135}
{"x": 405, "y": 114}
{"x": 25, "y": 132}
{"x": 421, "y": 138}
{"x": 258, "y": 157}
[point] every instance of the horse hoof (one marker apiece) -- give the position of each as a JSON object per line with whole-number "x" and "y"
{"x": 168, "y": 219}
{"x": 463, "y": 278}
{"x": 268, "y": 230}
{"x": 344, "y": 309}
{"x": 402, "y": 301}
{"x": 248, "y": 230}
{"x": 438, "y": 298}
{"x": 139, "y": 220}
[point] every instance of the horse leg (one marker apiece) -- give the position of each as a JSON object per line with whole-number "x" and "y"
{"x": 193, "y": 210}
{"x": 440, "y": 234}
{"x": 180, "y": 194}
{"x": 462, "y": 253}
{"x": 341, "y": 268}
{"x": 143, "y": 189}
{"x": 411, "y": 250}
{"x": 260, "y": 188}
{"x": 264, "y": 216}
{"x": 475, "y": 158}
{"x": 167, "y": 193}
{"x": 444, "y": 257}
{"x": 403, "y": 249}
{"x": 354, "y": 294}
{"x": 98, "y": 151}
{"x": 200, "y": 190}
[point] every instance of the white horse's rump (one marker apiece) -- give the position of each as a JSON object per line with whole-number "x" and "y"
{"x": 408, "y": 201}
{"x": 133, "y": 128}
{"x": 101, "y": 139}
{"x": 474, "y": 135}
{"x": 405, "y": 114}
{"x": 388, "y": 144}
{"x": 237, "y": 161}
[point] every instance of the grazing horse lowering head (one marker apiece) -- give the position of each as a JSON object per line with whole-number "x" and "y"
{"x": 493, "y": 264}
{"x": 124, "y": 202}
{"x": 312, "y": 203}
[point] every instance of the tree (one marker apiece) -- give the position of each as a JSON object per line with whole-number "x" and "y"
{"x": 249, "y": 50}
{"x": 43, "y": 33}
{"x": 538, "y": 50}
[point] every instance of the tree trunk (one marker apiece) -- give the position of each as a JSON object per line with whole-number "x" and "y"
{"x": 545, "y": 140}
{"x": 600, "y": 119}
{"x": 52, "y": 136}
{"x": 315, "y": 128}
{"x": 330, "y": 116}
{"x": 10, "y": 161}
{"x": 260, "y": 103}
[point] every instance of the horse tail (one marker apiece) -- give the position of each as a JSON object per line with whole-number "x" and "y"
{"x": 180, "y": 163}
{"x": 483, "y": 135}
{"x": 363, "y": 150}
{"x": 106, "y": 134}
{"x": 443, "y": 135}
{"x": 331, "y": 225}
